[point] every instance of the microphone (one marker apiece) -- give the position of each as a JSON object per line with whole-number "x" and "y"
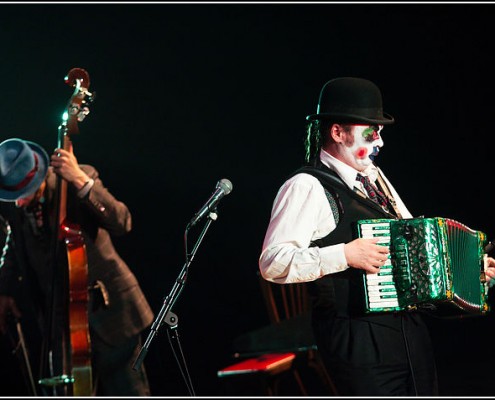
{"x": 223, "y": 188}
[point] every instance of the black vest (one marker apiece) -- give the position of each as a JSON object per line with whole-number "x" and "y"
{"x": 342, "y": 294}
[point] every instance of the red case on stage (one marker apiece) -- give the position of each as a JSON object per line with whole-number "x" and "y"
{"x": 273, "y": 362}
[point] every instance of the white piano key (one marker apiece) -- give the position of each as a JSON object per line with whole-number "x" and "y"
{"x": 385, "y": 304}
{"x": 375, "y": 278}
{"x": 381, "y": 299}
{"x": 382, "y": 289}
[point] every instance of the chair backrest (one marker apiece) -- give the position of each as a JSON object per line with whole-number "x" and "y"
{"x": 289, "y": 329}
{"x": 289, "y": 310}
{"x": 284, "y": 301}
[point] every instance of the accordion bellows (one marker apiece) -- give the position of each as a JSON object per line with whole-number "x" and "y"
{"x": 436, "y": 264}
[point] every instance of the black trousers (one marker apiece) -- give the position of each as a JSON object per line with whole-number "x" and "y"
{"x": 112, "y": 369}
{"x": 391, "y": 356}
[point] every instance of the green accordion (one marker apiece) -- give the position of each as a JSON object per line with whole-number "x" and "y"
{"x": 436, "y": 264}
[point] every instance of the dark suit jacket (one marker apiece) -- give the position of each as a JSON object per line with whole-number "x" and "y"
{"x": 99, "y": 215}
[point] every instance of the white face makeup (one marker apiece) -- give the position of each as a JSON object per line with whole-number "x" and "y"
{"x": 366, "y": 144}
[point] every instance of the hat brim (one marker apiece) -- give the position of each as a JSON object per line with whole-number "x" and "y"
{"x": 352, "y": 118}
{"x": 31, "y": 187}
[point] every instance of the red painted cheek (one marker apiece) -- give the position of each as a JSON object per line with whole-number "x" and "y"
{"x": 361, "y": 153}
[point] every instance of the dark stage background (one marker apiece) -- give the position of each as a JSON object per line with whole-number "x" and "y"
{"x": 188, "y": 94}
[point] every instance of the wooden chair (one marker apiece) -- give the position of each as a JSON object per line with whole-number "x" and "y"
{"x": 286, "y": 302}
{"x": 289, "y": 331}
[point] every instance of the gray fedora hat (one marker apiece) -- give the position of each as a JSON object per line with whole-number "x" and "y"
{"x": 23, "y": 167}
{"x": 353, "y": 100}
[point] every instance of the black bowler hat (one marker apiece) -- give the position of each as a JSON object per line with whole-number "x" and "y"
{"x": 353, "y": 100}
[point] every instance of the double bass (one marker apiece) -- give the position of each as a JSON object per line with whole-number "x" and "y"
{"x": 75, "y": 347}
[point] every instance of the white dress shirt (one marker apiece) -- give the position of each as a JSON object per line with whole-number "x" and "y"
{"x": 300, "y": 214}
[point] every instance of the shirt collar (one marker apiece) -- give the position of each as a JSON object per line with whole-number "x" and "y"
{"x": 346, "y": 172}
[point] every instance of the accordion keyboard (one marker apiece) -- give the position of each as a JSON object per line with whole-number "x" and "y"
{"x": 381, "y": 293}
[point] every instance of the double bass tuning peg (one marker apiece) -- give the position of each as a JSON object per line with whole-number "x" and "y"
{"x": 90, "y": 97}
{"x": 83, "y": 110}
{"x": 82, "y": 113}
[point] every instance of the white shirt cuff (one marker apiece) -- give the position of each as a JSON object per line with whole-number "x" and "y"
{"x": 86, "y": 188}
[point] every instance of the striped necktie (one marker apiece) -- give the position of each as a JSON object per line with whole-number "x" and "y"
{"x": 373, "y": 193}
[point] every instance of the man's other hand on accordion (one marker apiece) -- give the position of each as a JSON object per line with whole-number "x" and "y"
{"x": 490, "y": 271}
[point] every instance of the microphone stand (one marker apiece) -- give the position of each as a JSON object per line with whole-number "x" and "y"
{"x": 169, "y": 317}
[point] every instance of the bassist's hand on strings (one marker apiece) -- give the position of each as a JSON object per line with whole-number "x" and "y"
{"x": 65, "y": 164}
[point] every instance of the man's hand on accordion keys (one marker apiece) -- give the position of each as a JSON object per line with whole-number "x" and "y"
{"x": 366, "y": 254}
{"x": 490, "y": 271}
